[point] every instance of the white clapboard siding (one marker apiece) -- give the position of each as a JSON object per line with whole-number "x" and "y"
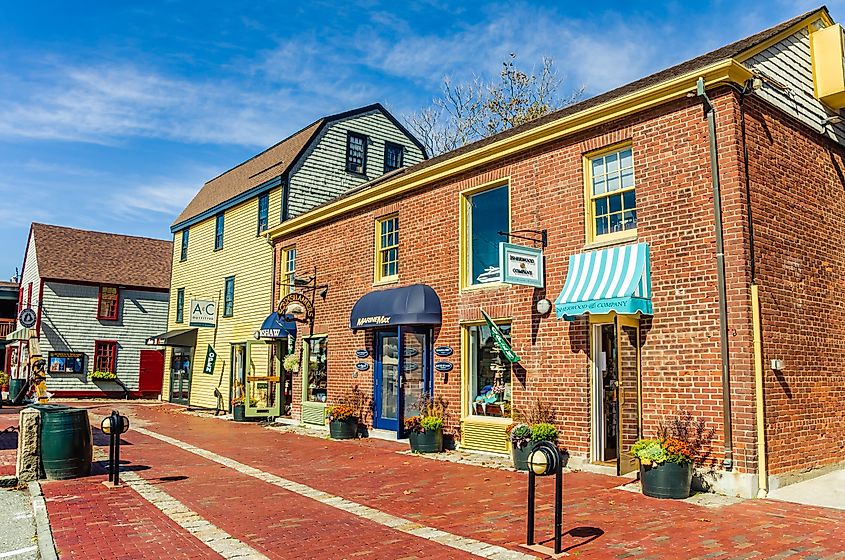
{"x": 789, "y": 62}
{"x": 30, "y": 276}
{"x": 69, "y": 324}
{"x": 321, "y": 174}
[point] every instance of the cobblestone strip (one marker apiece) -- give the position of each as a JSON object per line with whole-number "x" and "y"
{"x": 212, "y": 536}
{"x": 465, "y": 544}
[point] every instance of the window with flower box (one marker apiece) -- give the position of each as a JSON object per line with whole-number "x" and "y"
{"x": 105, "y": 355}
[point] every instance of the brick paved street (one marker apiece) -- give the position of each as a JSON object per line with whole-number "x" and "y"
{"x": 211, "y": 472}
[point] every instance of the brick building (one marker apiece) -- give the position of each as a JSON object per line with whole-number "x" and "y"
{"x": 647, "y": 318}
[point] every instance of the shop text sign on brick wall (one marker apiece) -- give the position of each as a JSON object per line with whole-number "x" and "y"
{"x": 521, "y": 265}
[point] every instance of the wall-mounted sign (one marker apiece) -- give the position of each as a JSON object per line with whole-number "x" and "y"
{"x": 443, "y": 366}
{"x": 443, "y": 351}
{"x": 203, "y": 313}
{"x": 521, "y": 265}
{"x": 27, "y": 318}
{"x": 410, "y": 352}
{"x": 296, "y": 305}
{"x": 410, "y": 366}
{"x": 362, "y": 353}
{"x": 65, "y": 362}
{"x": 210, "y": 360}
{"x": 362, "y": 366}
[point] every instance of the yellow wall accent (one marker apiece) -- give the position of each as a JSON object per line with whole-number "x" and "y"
{"x": 726, "y": 71}
{"x": 827, "y": 48}
{"x": 249, "y": 258}
{"x": 815, "y": 16}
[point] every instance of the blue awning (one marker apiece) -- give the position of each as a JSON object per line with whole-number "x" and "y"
{"x": 409, "y": 305}
{"x": 615, "y": 279}
{"x": 277, "y": 325}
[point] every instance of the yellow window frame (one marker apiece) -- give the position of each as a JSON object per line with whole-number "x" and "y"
{"x": 466, "y": 367}
{"x": 590, "y": 198}
{"x": 286, "y": 276}
{"x": 383, "y": 250}
{"x": 464, "y": 271}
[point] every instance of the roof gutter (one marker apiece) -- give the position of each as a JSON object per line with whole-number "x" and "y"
{"x": 726, "y": 71}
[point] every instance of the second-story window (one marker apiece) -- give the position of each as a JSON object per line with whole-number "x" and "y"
{"x": 183, "y": 253}
{"x": 263, "y": 212}
{"x": 229, "y": 297}
{"x": 393, "y": 156}
{"x": 218, "y": 232}
{"x": 387, "y": 248}
{"x": 356, "y": 153}
{"x": 288, "y": 265}
{"x": 107, "y": 303}
{"x": 612, "y": 193}
{"x": 180, "y": 305}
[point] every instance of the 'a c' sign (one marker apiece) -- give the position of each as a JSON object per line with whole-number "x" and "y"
{"x": 203, "y": 313}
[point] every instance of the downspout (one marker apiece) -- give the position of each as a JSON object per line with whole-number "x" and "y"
{"x": 710, "y": 113}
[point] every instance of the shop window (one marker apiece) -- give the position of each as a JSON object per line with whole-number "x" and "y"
{"x": 387, "y": 248}
{"x": 263, "y": 212}
{"x": 316, "y": 376}
{"x": 105, "y": 355}
{"x": 183, "y": 253}
{"x": 612, "y": 204}
{"x": 288, "y": 271}
{"x": 356, "y": 153}
{"x": 486, "y": 213}
{"x": 107, "y": 304}
{"x": 229, "y": 297}
{"x": 394, "y": 154}
{"x": 489, "y": 372}
{"x": 218, "y": 232}
{"x": 180, "y": 305}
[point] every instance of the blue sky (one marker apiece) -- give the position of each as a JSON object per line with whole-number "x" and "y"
{"x": 112, "y": 115}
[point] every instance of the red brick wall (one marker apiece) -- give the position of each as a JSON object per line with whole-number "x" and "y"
{"x": 681, "y": 364}
{"x": 798, "y": 196}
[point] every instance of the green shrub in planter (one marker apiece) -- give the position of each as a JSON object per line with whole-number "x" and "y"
{"x": 543, "y": 432}
{"x": 520, "y": 438}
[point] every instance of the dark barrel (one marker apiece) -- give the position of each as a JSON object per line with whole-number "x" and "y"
{"x": 15, "y": 386}
{"x": 66, "y": 447}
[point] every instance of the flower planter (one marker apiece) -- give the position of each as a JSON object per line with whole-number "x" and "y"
{"x": 666, "y": 480}
{"x": 426, "y": 442}
{"x": 345, "y": 429}
{"x": 239, "y": 413}
{"x": 520, "y": 456}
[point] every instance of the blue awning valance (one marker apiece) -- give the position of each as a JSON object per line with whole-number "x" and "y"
{"x": 277, "y": 325}
{"x": 615, "y": 279}
{"x": 409, "y": 305}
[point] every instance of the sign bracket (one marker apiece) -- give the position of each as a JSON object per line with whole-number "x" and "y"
{"x": 542, "y": 233}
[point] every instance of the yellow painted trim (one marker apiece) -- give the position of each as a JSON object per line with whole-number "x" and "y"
{"x": 465, "y": 365}
{"x": 725, "y": 71}
{"x": 285, "y": 290}
{"x": 822, "y": 13}
{"x": 463, "y": 217}
{"x": 377, "y": 262}
{"x": 760, "y": 409}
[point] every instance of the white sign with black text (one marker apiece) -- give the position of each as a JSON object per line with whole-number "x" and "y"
{"x": 203, "y": 313}
{"x": 521, "y": 265}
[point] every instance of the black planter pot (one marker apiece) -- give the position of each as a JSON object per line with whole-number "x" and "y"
{"x": 239, "y": 413}
{"x": 426, "y": 442}
{"x": 346, "y": 429}
{"x": 520, "y": 456}
{"x": 666, "y": 480}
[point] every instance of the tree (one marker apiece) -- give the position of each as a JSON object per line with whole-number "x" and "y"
{"x": 470, "y": 111}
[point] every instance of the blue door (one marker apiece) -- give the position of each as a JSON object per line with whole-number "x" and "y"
{"x": 402, "y": 373}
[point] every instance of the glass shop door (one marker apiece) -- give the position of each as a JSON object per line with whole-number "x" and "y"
{"x": 402, "y": 373}
{"x": 180, "y": 375}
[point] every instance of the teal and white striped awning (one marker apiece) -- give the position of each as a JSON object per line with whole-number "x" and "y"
{"x": 615, "y": 279}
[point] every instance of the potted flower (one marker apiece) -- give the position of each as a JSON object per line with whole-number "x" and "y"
{"x": 425, "y": 432}
{"x": 343, "y": 421}
{"x": 666, "y": 462}
{"x": 103, "y": 376}
{"x": 291, "y": 363}
{"x": 520, "y": 437}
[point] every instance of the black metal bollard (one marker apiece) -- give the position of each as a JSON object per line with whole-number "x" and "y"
{"x": 114, "y": 425}
{"x": 545, "y": 460}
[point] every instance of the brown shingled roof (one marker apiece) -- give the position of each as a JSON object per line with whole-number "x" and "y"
{"x": 102, "y": 258}
{"x": 723, "y": 53}
{"x": 270, "y": 163}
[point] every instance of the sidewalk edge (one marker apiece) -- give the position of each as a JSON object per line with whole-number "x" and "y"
{"x": 46, "y": 545}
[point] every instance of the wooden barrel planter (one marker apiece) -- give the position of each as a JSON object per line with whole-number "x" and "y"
{"x": 426, "y": 442}
{"x": 345, "y": 429}
{"x": 666, "y": 480}
{"x": 66, "y": 443}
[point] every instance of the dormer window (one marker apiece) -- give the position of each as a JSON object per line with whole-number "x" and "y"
{"x": 393, "y": 156}
{"x": 356, "y": 153}
{"x": 107, "y": 303}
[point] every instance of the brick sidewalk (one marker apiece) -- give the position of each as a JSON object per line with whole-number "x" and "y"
{"x": 485, "y": 504}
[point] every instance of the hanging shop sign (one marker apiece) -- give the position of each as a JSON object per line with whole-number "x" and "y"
{"x": 362, "y": 366}
{"x": 500, "y": 339}
{"x": 210, "y": 360}
{"x": 296, "y": 305}
{"x": 362, "y": 353}
{"x": 65, "y": 362}
{"x": 203, "y": 313}
{"x": 27, "y": 318}
{"x": 443, "y": 366}
{"x": 443, "y": 351}
{"x": 521, "y": 265}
